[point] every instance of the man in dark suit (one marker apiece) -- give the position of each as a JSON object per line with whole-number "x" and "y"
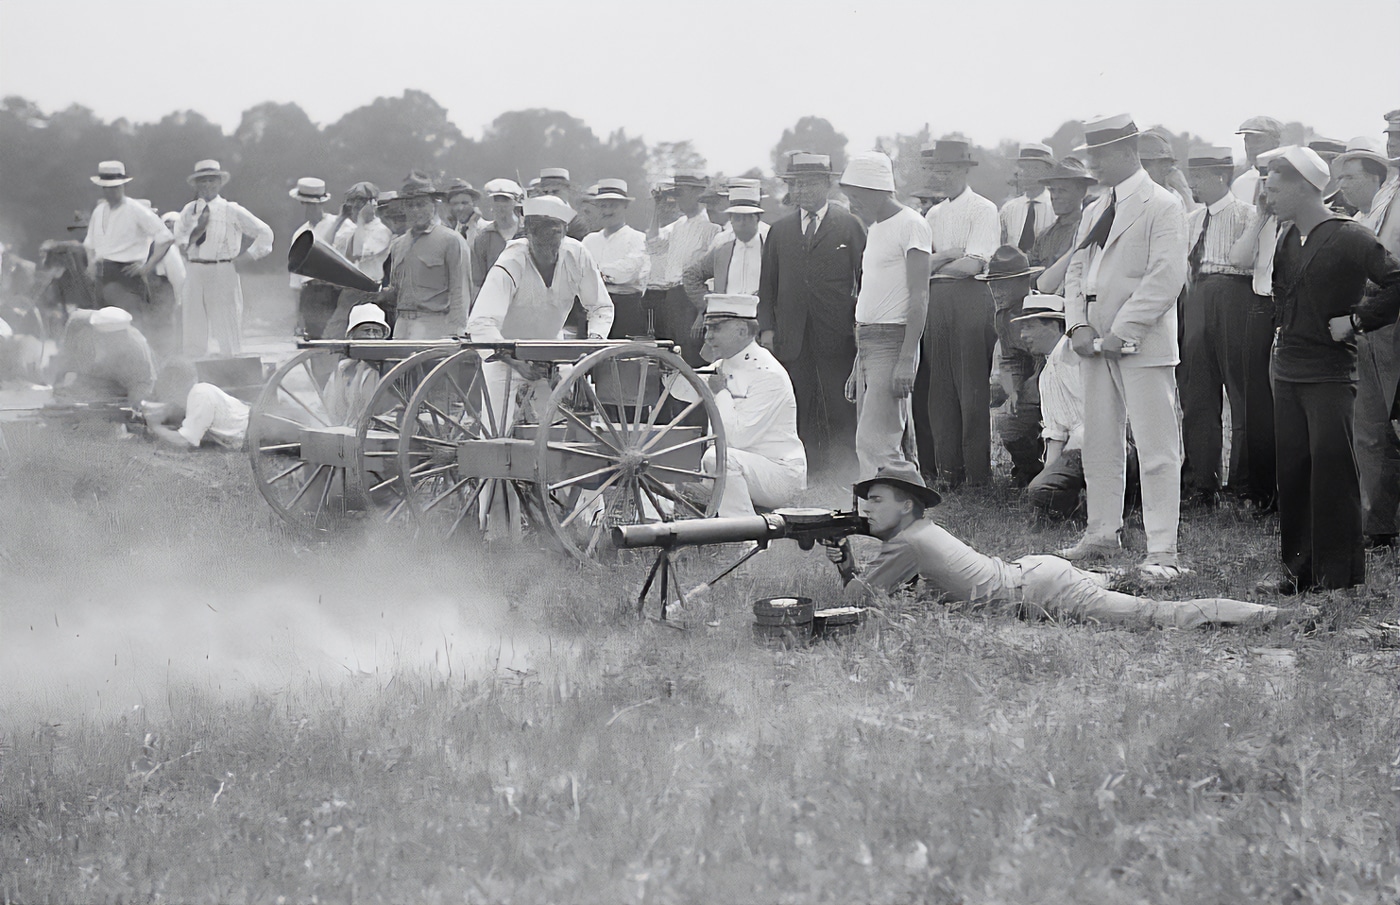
{"x": 807, "y": 293}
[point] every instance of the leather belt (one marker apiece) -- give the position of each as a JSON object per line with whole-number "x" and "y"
{"x": 219, "y": 261}
{"x": 412, "y": 313}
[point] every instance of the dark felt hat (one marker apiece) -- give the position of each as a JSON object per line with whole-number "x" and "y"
{"x": 903, "y": 475}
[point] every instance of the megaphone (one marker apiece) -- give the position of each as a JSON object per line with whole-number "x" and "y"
{"x": 310, "y": 257}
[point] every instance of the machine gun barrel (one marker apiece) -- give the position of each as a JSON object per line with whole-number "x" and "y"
{"x": 806, "y": 526}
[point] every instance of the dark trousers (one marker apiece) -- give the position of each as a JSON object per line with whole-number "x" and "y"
{"x": 1319, "y": 491}
{"x": 674, "y": 317}
{"x": 315, "y": 305}
{"x": 826, "y": 422}
{"x": 629, "y": 315}
{"x": 1259, "y": 401}
{"x": 958, "y": 341}
{"x": 1377, "y": 448}
{"x": 1216, "y": 312}
{"x": 129, "y": 293}
{"x": 1020, "y": 434}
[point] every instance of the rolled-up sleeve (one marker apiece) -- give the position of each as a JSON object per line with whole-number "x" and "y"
{"x": 492, "y": 304}
{"x": 593, "y": 296}
{"x": 260, "y": 232}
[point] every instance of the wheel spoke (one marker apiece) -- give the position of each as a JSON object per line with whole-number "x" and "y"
{"x": 575, "y": 449}
{"x": 588, "y": 427}
{"x": 621, "y": 405}
{"x": 285, "y": 420}
{"x": 322, "y": 506}
{"x": 660, "y": 402}
{"x": 689, "y": 473}
{"x": 655, "y": 501}
{"x": 597, "y": 472}
{"x": 578, "y": 509}
{"x": 297, "y": 399}
{"x": 691, "y": 442}
{"x": 431, "y": 472}
{"x": 432, "y": 504}
{"x": 598, "y": 407}
{"x": 670, "y": 425}
{"x": 281, "y": 475}
{"x": 316, "y": 385}
{"x": 641, "y": 394}
{"x": 448, "y": 418}
{"x": 665, "y": 490}
{"x": 279, "y": 447}
{"x": 467, "y": 505}
{"x": 309, "y": 481}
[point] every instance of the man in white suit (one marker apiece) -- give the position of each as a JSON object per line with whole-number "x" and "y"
{"x": 1121, "y": 288}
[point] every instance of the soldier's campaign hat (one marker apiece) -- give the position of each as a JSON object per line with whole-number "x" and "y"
{"x": 803, "y": 163}
{"x": 549, "y": 206}
{"x": 1008, "y": 262}
{"x": 111, "y": 172}
{"x": 1107, "y": 130}
{"x": 869, "y": 170}
{"x": 1153, "y": 145}
{"x": 419, "y": 185}
{"x": 1364, "y": 147}
{"x": 610, "y": 189}
{"x": 1260, "y": 125}
{"x": 1305, "y": 161}
{"x": 459, "y": 186}
{"x": 504, "y": 188}
{"x": 1040, "y": 306}
{"x": 1069, "y": 169}
{"x": 731, "y": 305}
{"x": 209, "y": 167}
{"x": 309, "y": 188}
{"x": 1033, "y": 151}
{"x": 744, "y": 199}
{"x": 904, "y": 475}
{"x": 950, "y": 149}
{"x": 1202, "y": 156}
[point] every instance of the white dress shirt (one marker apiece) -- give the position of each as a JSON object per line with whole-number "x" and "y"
{"x": 1013, "y": 216}
{"x": 514, "y": 302}
{"x": 123, "y": 233}
{"x": 682, "y": 241}
{"x": 1246, "y": 186}
{"x": 744, "y": 266}
{"x": 367, "y": 245}
{"x": 1062, "y": 397}
{"x": 969, "y": 222}
{"x": 228, "y": 224}
{"x": 622, "y": 259}
{"x": 1120, "y": 191}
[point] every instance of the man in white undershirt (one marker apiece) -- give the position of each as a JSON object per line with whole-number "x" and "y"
{"x": 621, "y": 255}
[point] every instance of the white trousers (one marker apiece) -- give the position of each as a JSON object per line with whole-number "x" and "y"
{"x": 213, "y": 305}
{"x": 751, "y": 478}
{"x": 1114, "y": 397}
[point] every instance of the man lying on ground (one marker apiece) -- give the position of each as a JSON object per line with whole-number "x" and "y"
{"x": 1041, "y": 587}
{"x": 202, "y": 410}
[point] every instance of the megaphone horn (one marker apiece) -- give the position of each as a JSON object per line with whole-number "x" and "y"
{"x": 313, "y": 258}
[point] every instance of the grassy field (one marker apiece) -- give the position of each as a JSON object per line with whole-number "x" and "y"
{"x": 198, "y": 708}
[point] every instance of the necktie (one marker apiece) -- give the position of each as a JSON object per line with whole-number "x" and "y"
{"x": 810, "y": 233}
{"x": 1099, "y": 234}
{"x": 201, "y": 228}
{"x": 1198, "y": 250}
{"x": 1028, "y": 229}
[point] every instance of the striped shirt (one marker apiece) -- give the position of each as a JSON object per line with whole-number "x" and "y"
{"x": 1229, "y": 218}
{"x": 1062, "y": 397}
{"x": 228, "y": 224}
{"x": 1013, "y": 216}
{"x": 969, "y": 222}
{"x": 682, "y": 242}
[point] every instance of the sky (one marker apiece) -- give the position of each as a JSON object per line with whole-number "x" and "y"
{"x": 729, "y": 75}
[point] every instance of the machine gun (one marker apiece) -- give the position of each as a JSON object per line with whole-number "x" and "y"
{"x": 806, "y": 526}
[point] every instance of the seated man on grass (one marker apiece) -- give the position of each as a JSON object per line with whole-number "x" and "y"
{"x": 202, "y": 410}
{"x": 103, "y": 358}
{"x": 1034, "y": 587}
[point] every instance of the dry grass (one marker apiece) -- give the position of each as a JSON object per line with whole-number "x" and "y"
{"x": 199, "y": 709}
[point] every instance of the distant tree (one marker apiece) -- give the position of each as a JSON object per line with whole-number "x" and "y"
{"x": 811, "y": 133}
{"x": 383, "y": 140}
{"x": 277, "y": 144}
{"x": 167, "y": 151}
{"x": 668, "y": 156}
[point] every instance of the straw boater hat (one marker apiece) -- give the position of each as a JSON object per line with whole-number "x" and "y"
{"x": 110, "y": 319}
{"x": 689, "y": 178}
{"x": 803, "y": 163}
{"x": 311, "y": 189}
{"x": 869, "y": 170}
{"x": 504, "y": 188}
{"x": 1305, "y": 161}
{"x": 459, "y": 186}
{"x": 1007, "y": 263}
{"x": 735, "y": 305}
{"x": 1035, "y": 152}
{"x": 949, "y": 149}
{"x": 903, "y": 475}
{"x": 1207, "y": 156}
{"x": 110, "y": 172}
{"x": 744, "y": 199}
{"x": 1364, "y": 147}
{"x": 1102, "y": 132}
{"x": 1068, "y": 170}
{"x": 549, "y": 206}
{"x": 208, "y": 167}
{"x": 1038, "y": 306}
{"x": 366, "y": 314}
{"x": 556, "y": 173}
{"x": 611, "y": 190}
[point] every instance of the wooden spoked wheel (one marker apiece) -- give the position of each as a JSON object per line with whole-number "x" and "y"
{"x": 619, "y": 444}
{"x": 377, "y": 434}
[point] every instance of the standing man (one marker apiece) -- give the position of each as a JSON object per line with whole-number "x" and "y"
{"x": 681, "y": 242}
{"x": 961, "y": 333}
{"x": 1320, "y": 273}
{"x": 1008, "y": 278}
{"x": 125, "y": 241}
{"x": 316, "y": 299}
{"x": 505, "y": 197}
{"x": 1067, "y": 184}
{"x": 889, "y": 314}
{"x": 1121, "y": 289}
{"x": 1159, "y": 160}
{"x": 734, "y": 264}
{"x": 1216, "y": 314}
{"x": 364, "y": 240}
{"x": 555, "y": 181}
{"x": 1367, "y": 184}
{"x": 1261, "y": 134}
{"x": 431, "y": 269}
{"x": 621, "y": 255}
{"x": 765, "y": 462}
{"x": 211, "y": 232}
{"x": 462, "y": 199}
{"x": 811, "y": 272}
{"x": 1030, "y": 213}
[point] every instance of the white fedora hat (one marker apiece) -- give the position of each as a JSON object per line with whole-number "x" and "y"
{"x": 111, "y": 172}
{"x": 209, "y": 167}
